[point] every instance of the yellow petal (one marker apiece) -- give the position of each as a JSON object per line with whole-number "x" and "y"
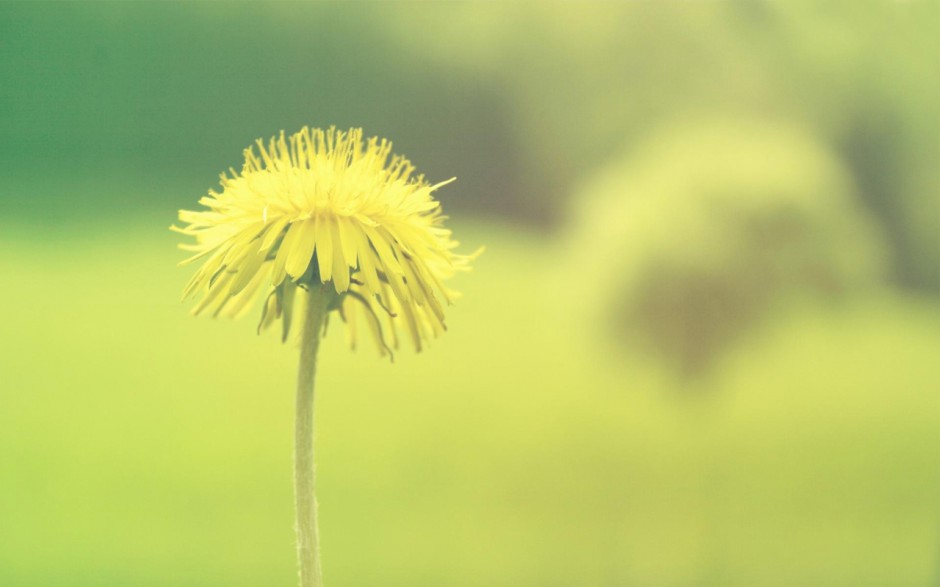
{"x": 325, "y": 249}
{"x": 300, "y": 247}
{"x": 340, "y": 267}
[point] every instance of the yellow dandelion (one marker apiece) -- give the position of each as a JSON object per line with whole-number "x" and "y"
{"x": 326, "y": 207}
{"x": 339, "y": 221}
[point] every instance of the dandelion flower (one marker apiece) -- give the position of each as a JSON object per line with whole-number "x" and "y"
{"x": 338, "y": 222}
{"x": 326, "y": 207}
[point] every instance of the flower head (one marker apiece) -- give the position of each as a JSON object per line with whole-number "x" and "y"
{"x": 328, "y": 210}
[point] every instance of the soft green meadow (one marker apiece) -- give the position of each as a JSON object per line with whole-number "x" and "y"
{"x": 749, "y": 189}
{"x": 141, "y": 446}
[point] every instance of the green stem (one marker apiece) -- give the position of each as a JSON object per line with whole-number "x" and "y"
{"x": 308, "y": 539}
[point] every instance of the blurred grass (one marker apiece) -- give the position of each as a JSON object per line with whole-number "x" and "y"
{"x": 140, "y": 446}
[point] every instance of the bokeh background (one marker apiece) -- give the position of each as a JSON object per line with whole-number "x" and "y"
{"x": 701, "y": 348}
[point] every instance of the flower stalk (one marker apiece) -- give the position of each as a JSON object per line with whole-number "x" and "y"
{"x": 308, "y": 536}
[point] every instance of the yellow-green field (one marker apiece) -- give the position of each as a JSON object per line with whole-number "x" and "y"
{"x": 140, "y": 446}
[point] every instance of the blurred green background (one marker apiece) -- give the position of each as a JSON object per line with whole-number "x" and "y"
{"x": 700, "y": 350}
